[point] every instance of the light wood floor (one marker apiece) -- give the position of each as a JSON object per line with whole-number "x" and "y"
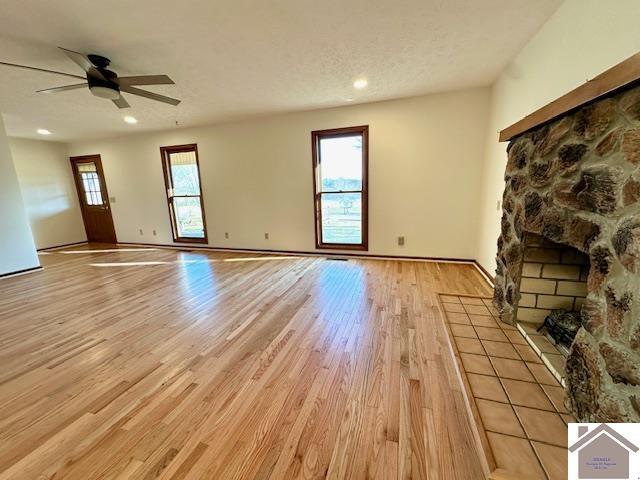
{"x": 166, "y": 364}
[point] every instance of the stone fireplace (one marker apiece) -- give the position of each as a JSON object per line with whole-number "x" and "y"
{"x": 571, "y": 239}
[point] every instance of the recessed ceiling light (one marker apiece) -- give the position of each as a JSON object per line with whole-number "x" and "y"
{"x": 43, "y": 131}
{"x": 360, "y": 83}
{"x": 130, "y": 119}
{"x": 348, "y": 99}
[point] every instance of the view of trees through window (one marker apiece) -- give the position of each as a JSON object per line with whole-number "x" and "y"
{"x": 340, "y": 189}
{"x": 184, "y": 193}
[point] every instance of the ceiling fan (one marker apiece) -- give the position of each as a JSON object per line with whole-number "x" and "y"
{"x": 105, "y": 83}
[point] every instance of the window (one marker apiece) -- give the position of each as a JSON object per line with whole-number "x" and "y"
{"x": 90, "y": 183}
{"x": 184, "y": 195}
{"x": 340, "y": 164}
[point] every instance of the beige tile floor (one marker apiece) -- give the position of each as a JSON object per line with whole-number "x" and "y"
{"x": 520, "y": 403}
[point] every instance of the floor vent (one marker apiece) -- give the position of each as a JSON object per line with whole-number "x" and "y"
{"x": 338, "y": 259}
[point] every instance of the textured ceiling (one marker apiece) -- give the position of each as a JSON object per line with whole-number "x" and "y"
{"x": 234, "y": 59}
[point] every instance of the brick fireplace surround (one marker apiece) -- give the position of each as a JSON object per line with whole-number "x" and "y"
{"x": 576, "y": 181}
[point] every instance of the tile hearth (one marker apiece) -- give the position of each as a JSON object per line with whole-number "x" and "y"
{"x": 517, "y": 402}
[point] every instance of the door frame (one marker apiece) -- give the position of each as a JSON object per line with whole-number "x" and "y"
{"x": 95, "y": 158}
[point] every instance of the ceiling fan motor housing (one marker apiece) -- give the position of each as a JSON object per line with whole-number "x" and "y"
{"x": 99, "y": 61}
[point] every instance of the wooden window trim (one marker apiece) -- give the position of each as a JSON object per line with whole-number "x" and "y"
{"x": 164, "y": 154}
{"x": 316, "y": 135}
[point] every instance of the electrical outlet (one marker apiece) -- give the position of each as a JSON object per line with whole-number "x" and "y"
{"x": 266, "y": 236}
{"x": 226, "y": 234}
{"x": 141, "y": 232}
{"x": 400, "y": 241}
{"x": 154, "y": 233}
{"x": 498, "y": 204}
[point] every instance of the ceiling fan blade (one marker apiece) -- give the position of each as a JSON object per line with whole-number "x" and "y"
{"x": 42, "y": 70}
{"x": 150, "y": 95}
{"x": 84, "y": 63}
{"x": 63, "y": 89}
{"x": 145, "y": 80}
{"x": 121, "y": 102}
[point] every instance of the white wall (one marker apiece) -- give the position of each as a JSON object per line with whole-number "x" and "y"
{"x": 582, "y": 39}
{"x": 17, "y": 250}
{"x": 48, "y": 191}
{"x": 425, "y": 162}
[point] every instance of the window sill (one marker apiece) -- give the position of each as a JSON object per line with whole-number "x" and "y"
{"x": 190, "y": 240}
{"x": 341, "y": 246}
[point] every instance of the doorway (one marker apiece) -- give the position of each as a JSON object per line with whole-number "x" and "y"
{"x": 94, "y": 199}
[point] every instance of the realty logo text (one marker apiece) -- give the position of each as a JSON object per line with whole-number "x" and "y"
{"x": 607, "y": 450}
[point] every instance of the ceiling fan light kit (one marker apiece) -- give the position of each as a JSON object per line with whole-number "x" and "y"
{"x": 104, "y": 83}
{"x": 105, "y": 92}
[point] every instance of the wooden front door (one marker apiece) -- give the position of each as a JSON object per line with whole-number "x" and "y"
{"x": 94, "y": 199}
